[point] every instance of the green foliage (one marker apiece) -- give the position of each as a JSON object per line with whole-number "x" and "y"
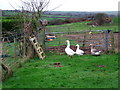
{"x": 100, "y": 18}
{"x": 10, "y": 23}
{"x": 99, "y": 15}
{"x": 77, "y": 72}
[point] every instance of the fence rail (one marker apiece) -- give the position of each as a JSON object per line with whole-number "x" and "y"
{"x": 101, "y": 38}
{"x": 76, "y": 32}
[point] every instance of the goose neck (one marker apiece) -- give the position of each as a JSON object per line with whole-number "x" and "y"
{"x": 77, "y": 47}
{"x": 68, "y": 44}
{"x": 92, "y": 47}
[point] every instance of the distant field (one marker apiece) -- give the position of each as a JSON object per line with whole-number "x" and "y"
{"x": 9, "y": 13}
{"x": 55, "y": 17}
{"x": 80, "y": 26}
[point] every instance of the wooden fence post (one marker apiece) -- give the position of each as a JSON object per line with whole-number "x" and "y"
{"x": 24, "y": 47}
{"x": 19, "y": 48}
{"x": 112, "y": 42}
{"x": 60, "y": 39}
{"x": 15, "y": 48}
{"x": 43, "y": 39}
{"x": 84, "y": 40}
{"x": 106, "y": 40}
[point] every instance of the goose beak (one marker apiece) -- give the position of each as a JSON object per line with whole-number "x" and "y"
{"x": 66, "y": 41}
{"x": 90, "y": 32}
{"x": 90, "y": 44}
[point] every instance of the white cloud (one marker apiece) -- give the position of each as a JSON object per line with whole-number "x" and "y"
{"x": 71, "y": 5}
{"x": 89, "y": 5}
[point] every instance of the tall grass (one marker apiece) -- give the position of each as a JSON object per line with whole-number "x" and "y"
{"x": 78, "y": 72}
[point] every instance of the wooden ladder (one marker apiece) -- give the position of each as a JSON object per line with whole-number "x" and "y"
{"x": 37, "y": 47}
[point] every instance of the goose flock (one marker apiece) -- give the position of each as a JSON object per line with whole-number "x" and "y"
{"x": 80, "y": 52}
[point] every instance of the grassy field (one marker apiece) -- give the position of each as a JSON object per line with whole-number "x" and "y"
{"x": 78, "y": 72}
{"x": 81, "y": 26}
{"x": 54, "y": 17}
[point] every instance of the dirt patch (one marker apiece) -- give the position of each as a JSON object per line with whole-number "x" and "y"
{"x": 61, "y": 49}
{"x": 56, "y": 64}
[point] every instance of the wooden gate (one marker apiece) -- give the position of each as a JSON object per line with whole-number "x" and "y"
{"x": 100, "y": 38}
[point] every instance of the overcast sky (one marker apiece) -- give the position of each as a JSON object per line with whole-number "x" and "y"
{"x": 70, "y": 5}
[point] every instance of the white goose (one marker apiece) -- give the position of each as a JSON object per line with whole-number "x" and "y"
{"x": 68, "y": 50}
{"x": 79, "y": 51}
{"x": 94, "y": 51}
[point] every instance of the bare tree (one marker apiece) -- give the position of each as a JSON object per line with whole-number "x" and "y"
{"x": 32, "y": 11}
{"x": 31, "y": 23}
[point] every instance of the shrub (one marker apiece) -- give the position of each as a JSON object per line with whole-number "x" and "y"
{"x": 10, "y": 24}
{"x": 57, "y": 22}
{"x": 102, "y": 18}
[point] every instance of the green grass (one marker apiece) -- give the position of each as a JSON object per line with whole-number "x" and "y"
{"x": 116, "y": 20}
{"x": 77, "y": 72}
{"x": 81, "y": 26}
{"x": 10, "y": 59}
{"x": 45, "y": 15}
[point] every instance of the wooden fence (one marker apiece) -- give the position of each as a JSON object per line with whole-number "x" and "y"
{"x": 102, "y": 39}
